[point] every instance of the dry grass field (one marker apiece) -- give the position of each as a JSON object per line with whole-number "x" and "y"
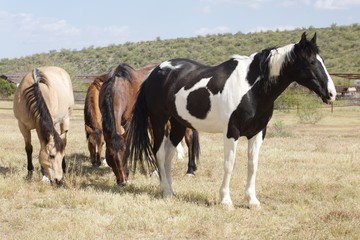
{"x": 308, "y": 183}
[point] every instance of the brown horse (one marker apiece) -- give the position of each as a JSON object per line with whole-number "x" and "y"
{"x": 45, "y": 98}
{"x": 92, "y": 118}
{"x": 116, "y": 100}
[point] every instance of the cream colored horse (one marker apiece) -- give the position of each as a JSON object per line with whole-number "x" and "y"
{"x": 43, "y": 99}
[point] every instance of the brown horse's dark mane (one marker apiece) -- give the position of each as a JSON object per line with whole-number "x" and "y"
{"x": 40, "y": 112}
{"x": 123, "y": 70}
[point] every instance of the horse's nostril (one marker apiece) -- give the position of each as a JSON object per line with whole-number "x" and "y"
{"x": 331, "y": 94}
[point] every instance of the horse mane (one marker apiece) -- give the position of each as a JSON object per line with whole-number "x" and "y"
{"x": 259, "y": 66}
{"x": 268, "y": 63}
{"x": 123, "y": 70}
{"x": 107, "y": 111}
{"x": 39, "y": 111}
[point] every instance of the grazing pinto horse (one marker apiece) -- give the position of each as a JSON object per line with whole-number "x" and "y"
{"x": 43, "y": 99}
{"x": 92, "y": 118}
{"x": 235, "y": 98}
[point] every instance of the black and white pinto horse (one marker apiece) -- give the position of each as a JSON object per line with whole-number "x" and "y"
{"x": 235, "y": 98}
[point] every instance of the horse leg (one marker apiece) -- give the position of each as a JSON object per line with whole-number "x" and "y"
{"x": 164, "y": 149}
{"x": 230, "y": 145}
{"x": 191, "y": 155}
{"x": 28, "y": 148}
{"x": 64, "y": 128}
{"x": 159, "y": 138}
{"x": 179, "y": 147}
{"x": 253, "y": 159}
{"x": 180, "y": 151}
{"x": 177, "y": 133}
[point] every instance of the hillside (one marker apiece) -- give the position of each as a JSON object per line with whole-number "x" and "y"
{"x": 339, "y": 46}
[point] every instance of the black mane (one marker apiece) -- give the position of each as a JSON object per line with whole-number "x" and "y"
{"x": 107, "y": 110}
{"x": 122, "y": 70}
{"x": 39, "y": 110}
{"x": 259, "y": 67}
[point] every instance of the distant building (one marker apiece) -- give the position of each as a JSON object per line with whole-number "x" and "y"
{"x": 357, "y": 84}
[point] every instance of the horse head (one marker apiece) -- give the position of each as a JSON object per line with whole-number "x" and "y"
{"x": 310, "y": 71}
{"x": 51, "y": 157}
{"x": 95, "y": 144}
{"x": 115, "y": 157}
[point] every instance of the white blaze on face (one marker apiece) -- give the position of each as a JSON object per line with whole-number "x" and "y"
{"x": 331, "y": 86}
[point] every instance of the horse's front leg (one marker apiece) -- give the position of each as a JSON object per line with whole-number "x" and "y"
{"x": 229, "y": 160}
{"x": 253, "y": 159}
{"x": 64, "y": 128}
{"x": 28, "y": 148}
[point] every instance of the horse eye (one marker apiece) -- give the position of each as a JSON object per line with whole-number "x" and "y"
{"x": 51, "y": 156}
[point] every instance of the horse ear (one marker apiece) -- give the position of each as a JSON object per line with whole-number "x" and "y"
{"x": 303, "y": 39}
{"x": 88, "y": 129}
{"x": 313, "y": 40}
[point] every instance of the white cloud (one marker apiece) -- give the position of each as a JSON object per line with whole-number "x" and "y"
{"x": 250, "y": 3}
{"x": 294, "y": 3}
{"x": 336, "y": 4}
{"x": 206, "y": 10}
{"x": 28, "y": 24}
{"x": 215, "y": 30}
{"x": 323, "y": 4}
{"x": 38, "y": 34}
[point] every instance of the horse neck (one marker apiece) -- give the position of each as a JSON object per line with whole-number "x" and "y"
{"x": 269, "y": 90}
{"x": 93, "y": 115}
{"x": 272, "y": 79}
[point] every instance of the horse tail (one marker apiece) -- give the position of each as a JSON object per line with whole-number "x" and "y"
{"x": 37, "y": 107}
{"x": 138, "y": 138}
{"x": 196, "y": 144}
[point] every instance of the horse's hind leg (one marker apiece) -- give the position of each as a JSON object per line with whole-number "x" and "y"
{"x": 28, "y": 148}
{"x": 164, "y": 149}
{"x": 191, "y": 154}
{"x": 176, "y": 135}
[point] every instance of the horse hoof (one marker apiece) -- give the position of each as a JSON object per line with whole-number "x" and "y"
{"x": 45, "y": 179}
{"x": 121, "y": 184}
{"x": 105, "y": 163}
{"x": 154, "y": 173}
{"x": 190, "y": 174}
{"x": 94, "y": 165}
{"x": 254, "y": 206}
{"x": 29, "y": 175}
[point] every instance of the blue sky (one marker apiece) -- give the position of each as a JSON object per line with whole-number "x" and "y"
{"x": 38, "y": 26}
